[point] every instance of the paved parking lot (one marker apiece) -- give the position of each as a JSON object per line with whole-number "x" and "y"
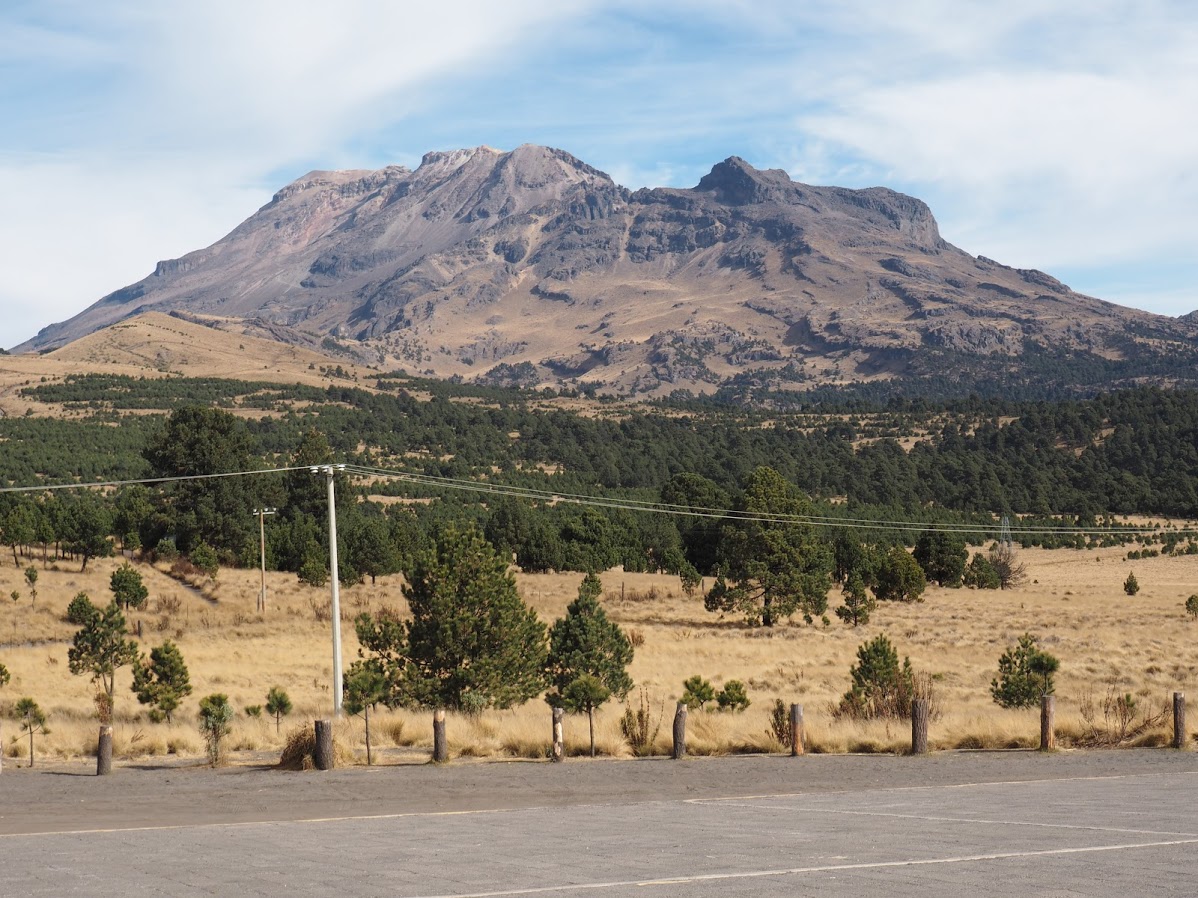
{"x": 982, "y": 826}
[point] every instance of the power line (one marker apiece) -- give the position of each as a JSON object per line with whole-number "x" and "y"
{"x": 701, "y": 512}
{"x": 627, "y": 504}
{"x": 143, "y": 480}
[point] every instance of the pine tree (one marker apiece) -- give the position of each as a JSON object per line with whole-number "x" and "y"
{"x": 163, "y": 681}
{"x": 588, "y": 656}
{"x": 127, "y": 587}
{"x": 858, "y": 603}
{"x": 472, "y": 643}
{"x": 900, "y": 578}
{"x": 100, "y": 648}
{"x": 772, "y": 569}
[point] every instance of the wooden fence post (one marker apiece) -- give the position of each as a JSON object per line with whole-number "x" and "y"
{"x": 322, "y": 755}
{"x": 440, "y": 744}
{"x": 680, "y": 731}
{"x": 920, "y": 712}
{"x": 797, "y": 736}
{"x": 1048, "y": 716}
{"x": 1179, "y": 720}
{"x": 104, "y": 751}
{"x": 559, "y": 746}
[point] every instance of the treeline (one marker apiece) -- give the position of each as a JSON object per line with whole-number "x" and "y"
{"x": 202, "y": 504}
{"x": 1128, "y": 452}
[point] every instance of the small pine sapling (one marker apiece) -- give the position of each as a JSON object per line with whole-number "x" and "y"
{"x": 1192, "y": 606}
{"x": 278, "y": 705}
{"x": 1131, "y": 585}
{"x": 33, "y": 720}
{"x": 733, "y": 697}
{"x": 216, "y": 715}
{"x": 1025, "y": 674}
{"x": 80, "y": 610}
{"x": 697, "y": 692}
{"x": 31, "y": 579}
{"x": 365, "y": 686}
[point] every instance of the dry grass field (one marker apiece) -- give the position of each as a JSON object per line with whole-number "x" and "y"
{"x": 1074, "y": 601}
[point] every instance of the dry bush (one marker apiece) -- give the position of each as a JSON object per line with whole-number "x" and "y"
{"x": 164, "y": 604}
{"x": 299, "y": 750}
{"x": 395, "y": 729}
{"x": 639, "y": 727}
{"x": 1126, "y": 719}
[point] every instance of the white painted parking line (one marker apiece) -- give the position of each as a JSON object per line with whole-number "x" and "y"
{"x": 794, "y": 871}
{"x": 799, "y": 809}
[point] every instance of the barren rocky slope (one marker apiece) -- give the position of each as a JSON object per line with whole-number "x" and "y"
{"x": 532, "y": 267}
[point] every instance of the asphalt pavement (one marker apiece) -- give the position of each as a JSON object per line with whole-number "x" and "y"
{"x": 950, "y": 824}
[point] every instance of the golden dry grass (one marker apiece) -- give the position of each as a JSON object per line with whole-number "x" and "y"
{"x": 1072, "y": 600}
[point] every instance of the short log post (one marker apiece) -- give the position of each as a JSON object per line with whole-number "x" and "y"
{"x": 559, "y": 744}
{"x": 440, "y": 743}
{"x": 680, "y": 732}
{"x": 104, "y": 751}
{"x": 920, "y": 712}
{"x": 322, "y": 755}
{"x": 1048, "y": 718}
{"x": 1179, "y": 720}
{"x": 797, "y": 736}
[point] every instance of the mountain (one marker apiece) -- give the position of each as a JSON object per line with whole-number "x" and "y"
{"x": 531, "y": 267}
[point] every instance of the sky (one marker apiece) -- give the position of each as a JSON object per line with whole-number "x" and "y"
{"x": 1048, "y": 134}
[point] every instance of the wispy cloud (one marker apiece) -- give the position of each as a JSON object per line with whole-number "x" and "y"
{"x": 1050, "y": 133}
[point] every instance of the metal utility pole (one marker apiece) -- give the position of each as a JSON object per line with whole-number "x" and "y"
{"x": 329, "y": 471}
{"x": 262, "y": 513}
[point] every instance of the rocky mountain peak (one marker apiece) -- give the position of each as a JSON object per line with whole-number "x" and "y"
{"x": 531, "y": 266}
{"x": 737, "y": 183}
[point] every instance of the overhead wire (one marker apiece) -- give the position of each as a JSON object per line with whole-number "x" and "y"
{"x": 432, "y": 481}
{"x": 763, "y": 517}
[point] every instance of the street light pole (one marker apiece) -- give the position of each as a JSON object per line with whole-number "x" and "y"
{"x": 329, "y": 471}
{"x": 262, "y": 513}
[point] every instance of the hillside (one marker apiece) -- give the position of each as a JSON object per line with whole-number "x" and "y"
{"x": 532, "y": 268}
{"x": 158, "y": 345}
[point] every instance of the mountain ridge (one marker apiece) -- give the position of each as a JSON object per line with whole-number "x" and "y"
{"x": 533, "y": 268}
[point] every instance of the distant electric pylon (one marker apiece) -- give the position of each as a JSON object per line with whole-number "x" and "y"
{"x": 1004, "y": 533}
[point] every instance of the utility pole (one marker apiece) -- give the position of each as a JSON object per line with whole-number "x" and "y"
{"x": 262, "y": 513}
{"x": 330, "y": 471}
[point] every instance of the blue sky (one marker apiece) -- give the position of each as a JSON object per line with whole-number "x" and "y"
{"x": 1053, "y": 135}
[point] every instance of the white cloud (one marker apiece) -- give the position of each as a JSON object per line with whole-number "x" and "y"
{"x": 152, "y": 129}
{"x": 1045, "y": 133}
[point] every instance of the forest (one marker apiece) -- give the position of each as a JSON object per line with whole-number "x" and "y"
{"x": 418, "y": 454}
